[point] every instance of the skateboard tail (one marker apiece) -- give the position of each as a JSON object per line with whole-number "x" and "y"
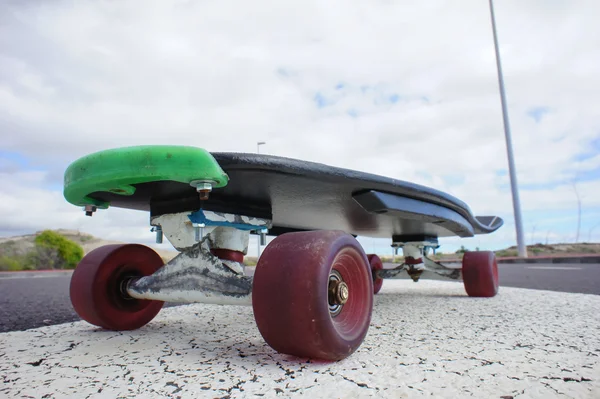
{"x": 118, "y": 170}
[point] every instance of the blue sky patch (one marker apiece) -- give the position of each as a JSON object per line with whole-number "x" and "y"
{"x": 540, "y": 186}
{"x": 541, "y": 224}
{"x": 322, "y": 101}
{"x": 453, "y": 180}
{"x": 593, "y": 150}
{"x": 424, "y": 175}
{"x": 580, "y": 177}
{"x": 15, "y": 158}
{"x": 537, "y": 113}
{"x": 14, "y": 162}
{"x": 283, "y": 72}
{"x": 379, "y": 94}
{"x": 588, "y": 175}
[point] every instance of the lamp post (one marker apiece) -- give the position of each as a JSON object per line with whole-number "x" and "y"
{"x": 509, "y": 151}
{"x": 258, "y": 144}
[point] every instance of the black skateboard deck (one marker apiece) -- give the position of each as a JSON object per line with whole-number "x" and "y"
{"x": 298, "y": 195}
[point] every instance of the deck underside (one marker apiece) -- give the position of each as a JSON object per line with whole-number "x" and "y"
{"x": 300, "y": 195}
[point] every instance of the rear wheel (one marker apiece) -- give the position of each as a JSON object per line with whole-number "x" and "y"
{"x": 97, "y": 288}
{"x": 312, "y": 294}
{"x": 480, "y": 273}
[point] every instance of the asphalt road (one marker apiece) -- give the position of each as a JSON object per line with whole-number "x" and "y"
{"x": 30, "y": 300}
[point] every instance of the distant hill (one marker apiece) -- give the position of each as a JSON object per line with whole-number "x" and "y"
{"x": 562, "y": 249}
{"x": 20, "y": 245}
{"x": 582, "y": 248}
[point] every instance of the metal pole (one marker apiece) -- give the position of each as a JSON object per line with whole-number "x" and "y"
{"x": 258, "y": 144}
{"x": 511, "y": 162}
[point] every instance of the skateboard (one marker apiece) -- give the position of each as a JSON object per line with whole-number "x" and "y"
{"x": 312, "y": 290}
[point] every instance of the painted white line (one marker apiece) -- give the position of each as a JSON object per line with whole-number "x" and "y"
{"x": 553, "y": 268}
{"x": 426, "y": 339}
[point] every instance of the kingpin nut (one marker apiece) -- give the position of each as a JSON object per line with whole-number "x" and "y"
{"x": 203, "y": 187}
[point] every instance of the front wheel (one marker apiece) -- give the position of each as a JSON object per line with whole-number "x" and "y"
{"x": 312, "y": 294}
{"x": 97, "y": 286}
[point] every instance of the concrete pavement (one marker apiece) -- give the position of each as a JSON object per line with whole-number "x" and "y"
{"x": 427, "y": 339}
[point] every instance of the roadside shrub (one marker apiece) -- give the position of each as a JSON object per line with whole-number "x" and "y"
{"x": 506, "y": 253}
{"x": 250, "y": 261}
{"x": 54, "y": 251}
{"x": 15, "y": 263}
{"x": 9, "y": 264}
{"x": 462, "y": 250}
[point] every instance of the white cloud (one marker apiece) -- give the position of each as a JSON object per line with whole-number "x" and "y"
{"x": 90, "y": 75}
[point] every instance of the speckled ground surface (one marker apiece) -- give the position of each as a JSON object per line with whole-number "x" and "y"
{"x": 426, "y": 339}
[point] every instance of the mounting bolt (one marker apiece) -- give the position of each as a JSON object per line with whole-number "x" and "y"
{"x": 263, "y": 238}
{"x": 89, "y": 210}
{"x": 198, "y": 231}
{"x": 204, "y": 187}
{"x": 159, "y": 234}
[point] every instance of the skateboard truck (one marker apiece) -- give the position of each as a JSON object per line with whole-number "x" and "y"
{"x": 208, "y": 271}
{"x": 198, "y": 275}
{"x": 416, "y": 262}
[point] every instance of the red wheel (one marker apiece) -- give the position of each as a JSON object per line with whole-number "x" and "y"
{"x": 294, "y": 294}
{"x": 96, "y": 286}
{"x": 480, "y": 273}
{"x": 376, "y": 264}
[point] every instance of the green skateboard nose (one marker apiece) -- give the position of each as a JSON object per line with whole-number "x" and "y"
{"x": 118, "y": 170}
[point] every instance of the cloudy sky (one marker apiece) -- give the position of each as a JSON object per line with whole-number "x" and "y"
{"x": 402, "y": 89}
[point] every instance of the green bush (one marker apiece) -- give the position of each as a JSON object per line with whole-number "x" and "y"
{"x": 462, "y": 250}
{"x": 56, "y": 251}
{"x": 10, "y": 264}
{"x": 506, "y": 253}
{"x": 85, "y": 238}
{"x": 16, "y": 263}
{"x": 250, "y": 261}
